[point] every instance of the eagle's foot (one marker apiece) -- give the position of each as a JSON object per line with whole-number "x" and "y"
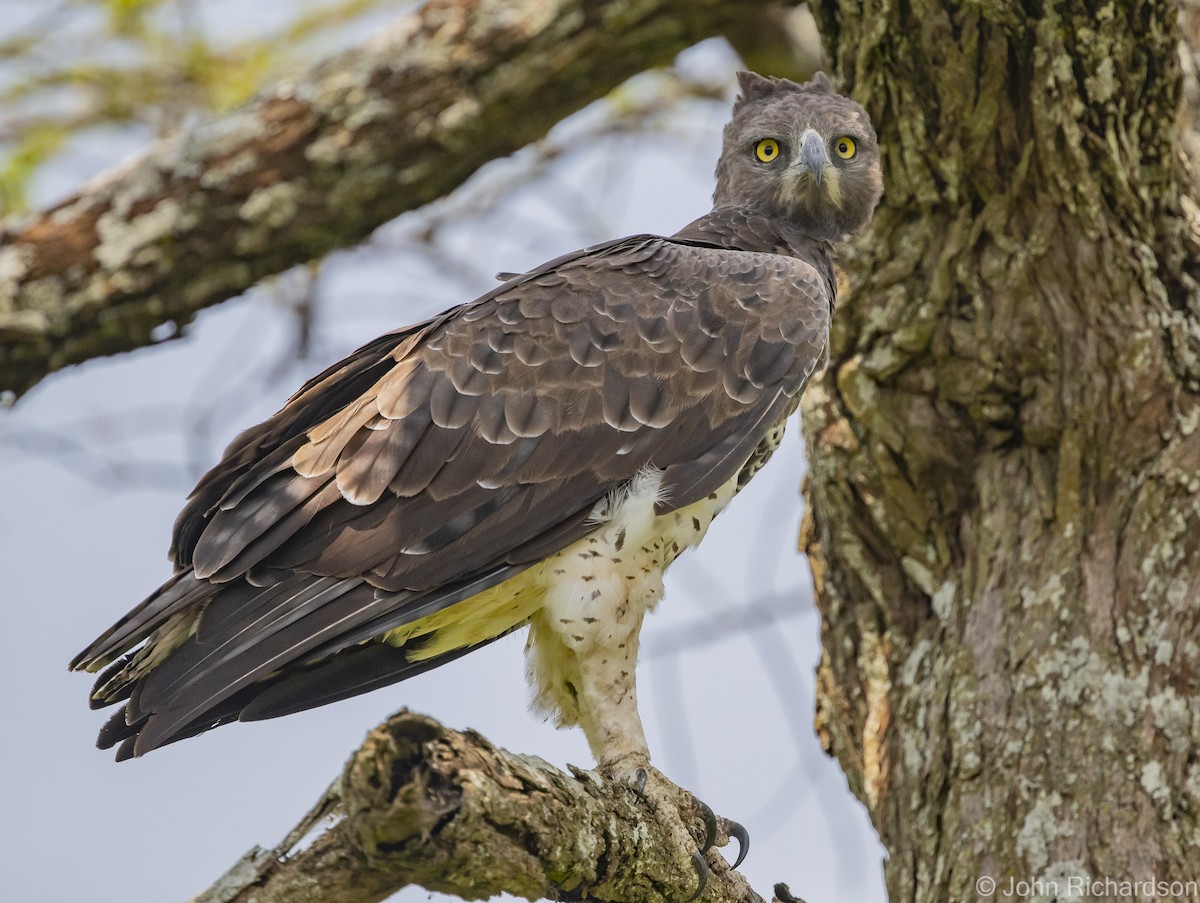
{"x": 632, "y": 770}
{"x": 680, "y": 813}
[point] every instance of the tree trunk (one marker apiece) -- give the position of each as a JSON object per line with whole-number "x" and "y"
{"x": 1004, "y": 522}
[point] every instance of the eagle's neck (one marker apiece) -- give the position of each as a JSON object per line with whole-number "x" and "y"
{"x": 744, "y": 229}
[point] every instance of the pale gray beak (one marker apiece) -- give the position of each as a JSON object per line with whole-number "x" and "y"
{"x": 813, "y": 154}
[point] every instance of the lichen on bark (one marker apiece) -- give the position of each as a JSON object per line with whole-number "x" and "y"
{"x": 421, "y": 804}
{"x": 1005, "y": 546}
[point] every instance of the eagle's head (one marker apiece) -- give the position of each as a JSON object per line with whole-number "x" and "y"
{"x": 800, "y": 152}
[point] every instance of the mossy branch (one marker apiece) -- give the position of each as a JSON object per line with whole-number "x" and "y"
{"x": 421, "y": 804}
{"x": 316, "y": 163}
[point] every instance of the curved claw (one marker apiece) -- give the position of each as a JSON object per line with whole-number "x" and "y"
{"x": 784, "y": 895}
{"x": 711, "y": 825}
{"x": 742, "y": 836}
{"x": 701, "y": 868}
{"x": 639, "y": 786}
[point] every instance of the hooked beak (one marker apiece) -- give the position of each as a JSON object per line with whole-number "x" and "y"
{"x": 813, "y": 155}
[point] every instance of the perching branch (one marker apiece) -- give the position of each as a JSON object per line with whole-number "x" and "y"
{"x": 316, "y": 163}
{"x": 421, "y": 804}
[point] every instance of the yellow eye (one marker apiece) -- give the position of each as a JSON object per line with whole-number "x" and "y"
{"x": 767, "y": 150}
{"x": 845, "y": 148}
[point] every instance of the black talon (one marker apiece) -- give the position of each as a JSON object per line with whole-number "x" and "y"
{"x": 742, "y": 836}
{"x": 640, "y": 782}
{"x": 701, "y": 868}
{"x": 710, "y": 825}
{"x": 784, "y": 895}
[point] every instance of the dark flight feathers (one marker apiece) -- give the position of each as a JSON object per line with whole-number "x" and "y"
{"x": 442, "y": 459}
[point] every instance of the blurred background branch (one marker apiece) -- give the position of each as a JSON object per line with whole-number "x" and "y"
{"x": 312, "y": 164}
{"x": 79, "y": 65}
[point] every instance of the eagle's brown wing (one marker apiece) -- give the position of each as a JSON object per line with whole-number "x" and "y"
{"x": 439, "y": 460}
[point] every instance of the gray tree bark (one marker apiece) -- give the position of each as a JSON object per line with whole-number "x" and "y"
{"x": 421, "y": 804}
{"x": 1004, "y": 520}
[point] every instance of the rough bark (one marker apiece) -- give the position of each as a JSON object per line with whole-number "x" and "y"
{"x": 421, "y": 804}
{"x": 1004, "y": 521}
{"x": 316, "y": 163}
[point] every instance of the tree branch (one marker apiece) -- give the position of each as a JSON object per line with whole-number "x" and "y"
{"x": 316, "y": 163}
{"x": 419, "y": 803}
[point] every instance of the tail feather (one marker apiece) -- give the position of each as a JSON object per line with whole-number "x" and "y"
{"x": 349, "y": 673}
{"x": 104, "y": 693}
{"x": 180, "y": 592}
{"x": 256, "y": 652}
{"x": 117, "y": 728}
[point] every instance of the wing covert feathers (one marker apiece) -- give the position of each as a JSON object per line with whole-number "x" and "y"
{"x": 442, "y": 459}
